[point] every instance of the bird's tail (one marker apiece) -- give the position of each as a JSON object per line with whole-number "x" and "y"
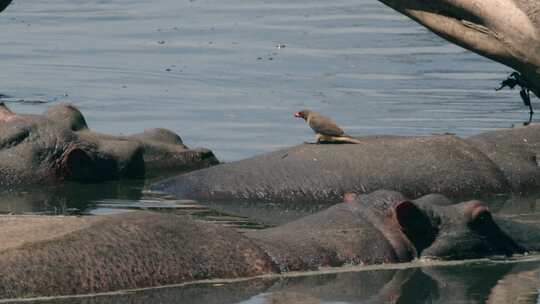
{"x": 347, "y": 139}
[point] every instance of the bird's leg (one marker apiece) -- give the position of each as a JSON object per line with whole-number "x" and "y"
{"x": 530, "y": 119}
{"x": 526, "y": 97}
{"x": 512, "y": 80}
{"x": 317, "y": 140}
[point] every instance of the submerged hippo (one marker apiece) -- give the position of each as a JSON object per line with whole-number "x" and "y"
{"x": 58, "y": 146}
{"x": 501, "y": 161}
{"x": 385, "y": 227}
{"x": 71, "y": 255}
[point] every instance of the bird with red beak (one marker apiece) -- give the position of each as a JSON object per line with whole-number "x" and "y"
{"x": 326, "y": 130}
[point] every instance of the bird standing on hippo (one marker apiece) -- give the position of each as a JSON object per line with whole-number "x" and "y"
{"x": 326, "y": 130}
{"x": 494, "y": 162}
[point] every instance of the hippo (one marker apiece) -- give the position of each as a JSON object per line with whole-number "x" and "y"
{"x": 62, "y": 255}
{"x": 58, "y": 146}
{"x": 386, "y": 227}
{"x": 496, "y": 162}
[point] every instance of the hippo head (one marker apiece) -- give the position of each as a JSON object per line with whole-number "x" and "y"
{"x": 385, "y": 227}
{"x": 438, "y": 229}
{"x": 58, "y": 146}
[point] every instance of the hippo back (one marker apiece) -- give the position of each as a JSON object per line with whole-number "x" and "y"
{"x": 516, "y": 152}
{"x": 322, "y": 173}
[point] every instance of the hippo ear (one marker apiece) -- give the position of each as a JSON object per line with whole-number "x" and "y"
{"x": 68, "y": 116}
{"x": 415, "y": 224}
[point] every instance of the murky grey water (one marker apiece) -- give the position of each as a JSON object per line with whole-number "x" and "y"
{"x": 495, "y": 282}
{"x": 230, "y": 88}
{"x": 228, "y": 75}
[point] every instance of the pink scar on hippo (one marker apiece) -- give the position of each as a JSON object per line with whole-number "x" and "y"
{"x": 5, "y": 114}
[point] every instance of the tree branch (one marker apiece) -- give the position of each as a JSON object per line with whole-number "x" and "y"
{"x": 505, "y": 31}
{"x": 4, "y": 4}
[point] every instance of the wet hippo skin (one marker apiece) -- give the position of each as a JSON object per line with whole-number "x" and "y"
{"x": 516, "y": 152}
{"x": 42, "y": 255}
{"x": 58, "y": 146}
{"x": 501, "y": 161}
{"x": 135, "y": 249}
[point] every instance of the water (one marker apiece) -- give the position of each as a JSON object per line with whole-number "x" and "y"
{"x": 417, "y": 282}
{"x": 228, "y": 75}
{"x": 230, "y": 87}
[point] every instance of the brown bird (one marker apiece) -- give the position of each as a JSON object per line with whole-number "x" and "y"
{"x": 326, "y": 130}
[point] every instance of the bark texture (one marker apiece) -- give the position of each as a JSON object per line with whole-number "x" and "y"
{"x": 4, "y": 4}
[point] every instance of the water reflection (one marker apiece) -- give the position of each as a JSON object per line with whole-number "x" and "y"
{"x": 523, "y": 207}
{"x": 476, "y": 282}
{"x": 66, "y": 198}
{"x": 108, "y": 198}
{"x": 74, "y": 198}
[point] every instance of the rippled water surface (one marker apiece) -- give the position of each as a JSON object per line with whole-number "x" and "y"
{"x": 496, "y": 282}
{"x": 228, "y": 75}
